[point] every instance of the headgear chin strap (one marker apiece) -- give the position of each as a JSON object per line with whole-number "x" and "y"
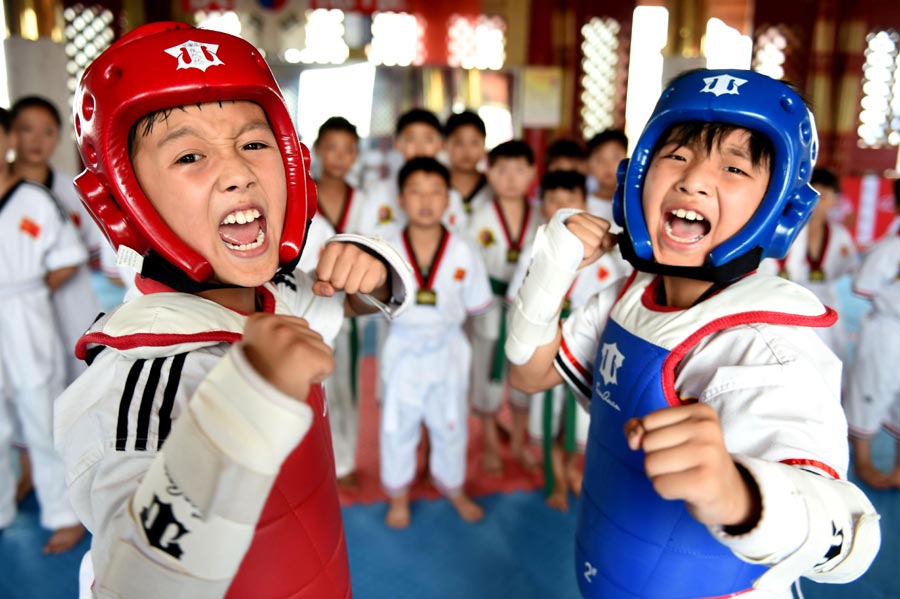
{"x": 743, "y": 264}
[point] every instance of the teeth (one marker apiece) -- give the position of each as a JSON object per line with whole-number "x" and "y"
{"x": 241, "y": 217}
{"x": 260, "y": 237}
{"x": 668, "y": 226}
{"x": 687, "y": 214}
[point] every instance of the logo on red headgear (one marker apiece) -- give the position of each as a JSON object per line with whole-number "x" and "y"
{"x": 195, "y": 55}
{"x": 722, "y": 84}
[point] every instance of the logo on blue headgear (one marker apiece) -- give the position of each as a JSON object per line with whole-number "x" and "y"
{"x": 744, "y": 99}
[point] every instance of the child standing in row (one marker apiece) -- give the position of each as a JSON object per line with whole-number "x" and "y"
{"x": 426, "y": 358}
{"x": 465, "y": 135}
{"x": 556, "y": 420}
{"x": 502, "y": 229}
{"x": 716, "y": 461}
{"x": 822, "y": 253}
{"x": 873, "y": 396}
{"x": 339, "y": 211}
{"x": 36, "y": 123}
{"x": 39, "y": 252}
{"x": 605, "y": 151}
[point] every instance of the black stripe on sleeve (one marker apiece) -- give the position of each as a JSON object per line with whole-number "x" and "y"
{"x": 573, "y": 380}
{"x": 143, "y": 426}
{"x": 125, "y": 404}
{"x": 165, "y": 410}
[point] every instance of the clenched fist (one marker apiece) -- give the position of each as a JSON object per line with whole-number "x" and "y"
{"x": 287, "y": 353}
{"x": 593, "y": 232}
{"x": 344, "y": 266}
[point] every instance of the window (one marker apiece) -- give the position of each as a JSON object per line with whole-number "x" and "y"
{"x": 600, "y": 48}
{"x": 880, "y": 106}
{"x": 477, "y": 43}
{"x": 396, "y": 40}
{"x": 88, "y": 32}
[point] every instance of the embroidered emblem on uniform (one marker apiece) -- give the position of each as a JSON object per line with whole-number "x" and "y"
{"x": 845, "y": 251}
{"x": 722, "y": 84}
{"x": 602, "y": 273}
{"x": 76, "y": 218}
{"x": 199, "y": 56}
{"x": 29, "y": 227}
{"x": 451, "y": 220}
{"x": 459, "y": 274}
{"x": 385, "y": 214}
{"x": 486, "y": 237}
{"x": 610, "y": 361}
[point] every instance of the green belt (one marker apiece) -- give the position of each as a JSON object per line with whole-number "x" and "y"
{"x": 354, "y": 359}
{"x": 569, "y": 439}
{"x": 499, "y": 288}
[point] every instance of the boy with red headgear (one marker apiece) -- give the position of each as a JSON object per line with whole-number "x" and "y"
{"x": 196, "y": 444}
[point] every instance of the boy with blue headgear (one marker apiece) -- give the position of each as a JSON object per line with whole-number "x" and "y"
{"x": 716, "y": 460}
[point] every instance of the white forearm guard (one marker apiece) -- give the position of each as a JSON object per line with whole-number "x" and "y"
{"x": 399, "y": 270}
{"x": 811, "y": 526}
{"x": 195, "y": 512}
{"x": 534, "y": 316}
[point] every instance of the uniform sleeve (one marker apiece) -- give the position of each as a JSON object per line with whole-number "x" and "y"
{"x": 477, "y": 293}
{"x": 62, "y": 244}
{"x": 580, "y": 338}
{"x": 878, "y": 269}
{"x": 324, "y": 314}
{"x": 779, "y": 406}
{"x": 173, "y": 521}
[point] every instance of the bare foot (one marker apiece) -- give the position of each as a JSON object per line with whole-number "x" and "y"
{"x": 872, "y": 476}
{"x": 25, "y": 484}
{"x": 467, "y": 509}
{"x": 491, "y": 463}
{"x": 398, "y": 512}
{"x": 64, "y": 539}
{"x": 894, "y": 478}
{"x": 348, "y": 482}
{"x": 574, "y": 476}
{"x": 525, "y": 458}
{"x": 558, "y": 501}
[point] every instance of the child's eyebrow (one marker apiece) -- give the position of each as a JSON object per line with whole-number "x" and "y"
{"x": 739, "y": 151}
{"x": 187, "y": 131}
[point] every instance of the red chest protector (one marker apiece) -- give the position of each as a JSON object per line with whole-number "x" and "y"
{"x": 299, "y": 549}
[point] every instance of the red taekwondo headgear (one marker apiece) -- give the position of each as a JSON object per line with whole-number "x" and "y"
{"x": 161, "y": 66}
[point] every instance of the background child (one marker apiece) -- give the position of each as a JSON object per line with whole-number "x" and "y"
{"x": 565, "y": 155}
{"x": 873, "y": 395}
{"x": 201, "y": 418}
{"x": 822, "y": 253}
{"x": 716, "y": 426}
{"x": 464, "y": 135}
{"x": 604, "y": 153}
{"x": 36, "y": 124}
{"x": 555, "y": 419}
{"x": 39, "y": 252}
{"x": 339, "y": 211}
{"x": 418, "y": 133}
{"x": 501, "y": 229}
{"x": 426, "y": 358}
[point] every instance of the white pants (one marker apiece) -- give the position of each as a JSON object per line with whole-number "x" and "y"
{"x": 426, "y": 379}
{"x": 343, "y": 404}
{"x": 486, "y": 396}
{"x": 30, "y": 381}
{"x": 873, "y": 395}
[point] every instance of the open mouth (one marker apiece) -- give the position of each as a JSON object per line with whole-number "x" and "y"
{"x": 686, "y": 226}
{"x": 243, "y": 230}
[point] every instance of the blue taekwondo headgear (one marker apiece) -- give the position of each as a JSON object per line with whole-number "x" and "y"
{"x": 745, "y": 99}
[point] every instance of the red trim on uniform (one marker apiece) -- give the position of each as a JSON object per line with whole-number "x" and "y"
{"x": 826, "y": 319}
{"x": 571, "y": 358}
{"x": 268, "y": 302}
{"x": 815, "y": 464}
{"x": 863, "y": 293}
{"x": 816, "y": 265}
{"x": 435, "y": 262}
{"x": 126, "y": 342}
{"x": 341, "y": 225}
{"x": 648, "y": 298}
{"x": 625, "y": 287}
{"x": 481, "y": 309}
{"x": 504, "y": 226}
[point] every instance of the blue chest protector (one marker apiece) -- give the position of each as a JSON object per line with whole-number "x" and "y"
{"x": 631, "y": 543}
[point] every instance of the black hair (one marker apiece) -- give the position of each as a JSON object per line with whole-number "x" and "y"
{"x": 422, "y": 164}
{"x": 5, "y": 121}
{"x": 708, "y": 134}
{"x": 570, "y": 180}
{"x": 825, "y": 178}
{"x": 418, "y": 115}
{"x": 337, "y": 123}
{"x": 564, "y": 148}
{"x": 514, "y": 148}
{"x": 35, "y": 102}
{"x": 607, "y": 136}
{"x": 464, "y": 119}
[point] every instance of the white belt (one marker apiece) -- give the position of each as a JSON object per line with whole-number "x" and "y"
{"x": 20, "y": 287}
